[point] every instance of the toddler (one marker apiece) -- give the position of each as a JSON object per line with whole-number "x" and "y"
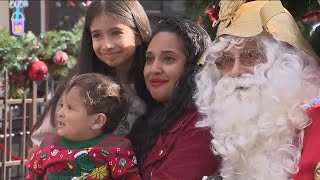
{"x": 90, "y": 109}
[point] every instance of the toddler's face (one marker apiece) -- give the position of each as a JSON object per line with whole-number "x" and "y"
{"x": 73, "y": 121}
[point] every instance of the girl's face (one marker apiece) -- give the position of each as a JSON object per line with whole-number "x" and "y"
{"x": 73, "y": 122}
{"x": 165, "y": 61}
{"x": 113, "y": 42}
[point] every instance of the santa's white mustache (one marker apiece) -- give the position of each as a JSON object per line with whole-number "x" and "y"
{"x": 228, "y": 85}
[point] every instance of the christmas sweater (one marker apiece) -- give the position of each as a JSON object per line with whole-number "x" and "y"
{"x": 103, "y": 157}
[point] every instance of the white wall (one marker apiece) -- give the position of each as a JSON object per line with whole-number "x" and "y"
{"x": 4, "y": 14}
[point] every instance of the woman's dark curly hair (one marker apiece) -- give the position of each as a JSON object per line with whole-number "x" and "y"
{"x": 158, "y": 117}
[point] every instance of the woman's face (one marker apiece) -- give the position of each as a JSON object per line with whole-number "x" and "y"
{"x": 113, "y": 42}
{"x": 165, "y": 61}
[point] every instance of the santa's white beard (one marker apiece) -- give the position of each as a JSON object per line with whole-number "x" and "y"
{"x": 251, "y": 130}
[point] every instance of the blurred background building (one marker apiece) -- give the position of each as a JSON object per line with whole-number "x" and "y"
{"x": 45, "y": 15}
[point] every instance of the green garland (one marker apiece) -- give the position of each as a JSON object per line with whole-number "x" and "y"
{"x": 17, "y": 52}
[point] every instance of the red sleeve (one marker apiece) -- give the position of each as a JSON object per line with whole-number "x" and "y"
{"x": 33, "y": 176}
{"x": 310, "y": 156}
{"x": 190, "y": 158}
{"x": 123, "y": 164}
{"x": 34, "y": 166}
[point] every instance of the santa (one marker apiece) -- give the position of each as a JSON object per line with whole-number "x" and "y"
{"x": 254, "y": 90}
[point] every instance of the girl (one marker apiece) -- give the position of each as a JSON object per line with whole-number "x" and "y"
{"x": 90, "y": 109}
{"x": 168, "y": 144}
{"x": 113, "y": 43}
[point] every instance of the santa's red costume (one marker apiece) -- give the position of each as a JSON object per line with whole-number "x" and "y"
{"x": 309, "y": 167}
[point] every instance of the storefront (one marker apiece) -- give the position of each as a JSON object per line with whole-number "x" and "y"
{"x": 41, "y": 16}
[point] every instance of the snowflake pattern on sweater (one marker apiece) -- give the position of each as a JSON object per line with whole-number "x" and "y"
{"x": 108, "y": 157}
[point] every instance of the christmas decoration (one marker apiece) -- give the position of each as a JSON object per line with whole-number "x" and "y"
{"x": 18, "y": 78}
{"x": 66, "y": 13}
{"x": 60, "y": 58}
{"x": 37, "y": 71}
{"x": 17, "y": 53}
{"x": 304, "y": 12}
{"x": 309, "y": 22}
{"x": 207, "y": 18}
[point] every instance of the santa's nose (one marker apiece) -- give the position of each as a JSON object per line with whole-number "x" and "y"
{"x": 238, "y": 69}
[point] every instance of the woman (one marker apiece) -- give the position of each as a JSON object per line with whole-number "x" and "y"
{"x": 113, "y": 43}
{"x": 167, "y": 143}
